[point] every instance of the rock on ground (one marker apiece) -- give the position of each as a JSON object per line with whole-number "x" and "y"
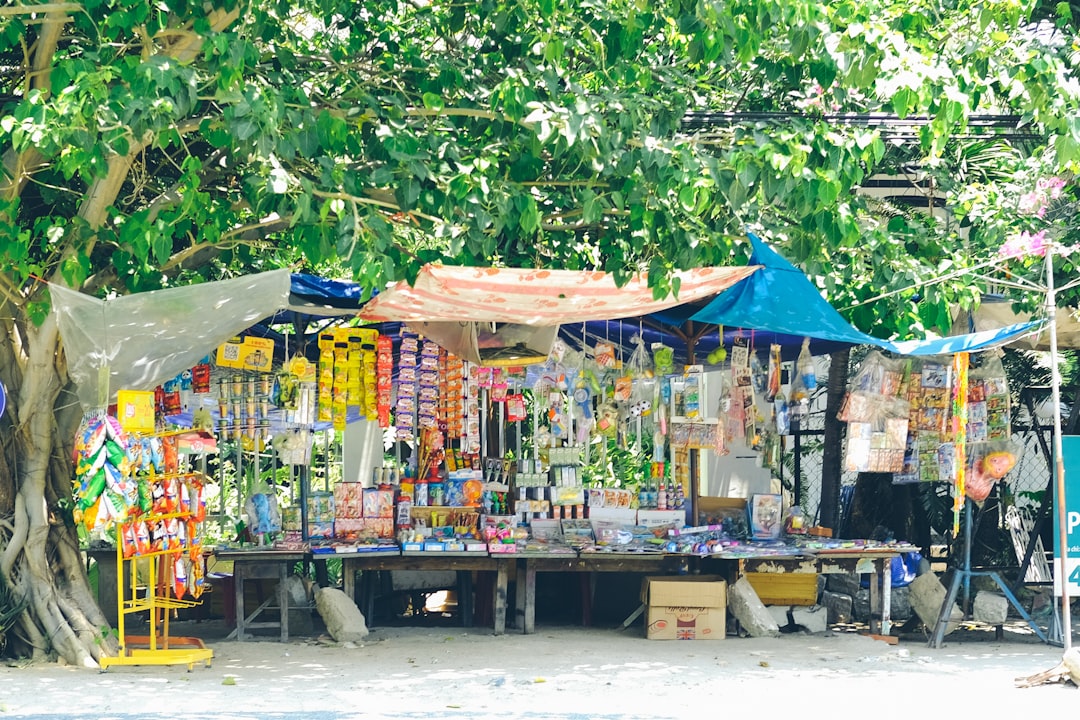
{"x": 343, "y": 619}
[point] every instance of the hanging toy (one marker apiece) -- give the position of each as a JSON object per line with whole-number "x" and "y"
{"x": 663, "y": 359}
{"x": 583, "y": 399}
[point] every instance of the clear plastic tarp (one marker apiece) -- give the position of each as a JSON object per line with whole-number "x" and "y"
{"x": 136, "y": 342}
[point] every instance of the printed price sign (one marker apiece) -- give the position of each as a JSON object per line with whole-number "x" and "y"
{"x": 1070, "y": 445}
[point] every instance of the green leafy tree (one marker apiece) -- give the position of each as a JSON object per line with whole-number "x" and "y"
{"x": 151, "y": 144}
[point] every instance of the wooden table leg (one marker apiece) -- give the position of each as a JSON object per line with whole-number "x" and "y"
{"x": 465, "y": 597}
{"x": 238, "y": 599}
{"x": 875, "y": 599}
{"x": 283, "y": 600}
{"x": 501, "y": 581}
{"x": 348, "y": 579}
{"x": 886, "y": 596}
{"x": 585, "y": 583}
{"x": 529, "y": 624}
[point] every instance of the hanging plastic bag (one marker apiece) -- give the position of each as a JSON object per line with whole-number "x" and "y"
{"x": 805, "y": 367}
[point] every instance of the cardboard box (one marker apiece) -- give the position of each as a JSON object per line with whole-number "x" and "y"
{"x": 713, "y": 510}
{"x": 653, "y": 518}
{"x": 685, "y": 608}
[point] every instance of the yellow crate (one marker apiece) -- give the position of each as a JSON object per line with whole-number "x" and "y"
{"x": 795, "y": 588}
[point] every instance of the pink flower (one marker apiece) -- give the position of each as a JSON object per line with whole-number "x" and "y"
{"x": 1038, "y": 200}
{"x": 1023, "y": 245}
{"x": 1031, "y": 203}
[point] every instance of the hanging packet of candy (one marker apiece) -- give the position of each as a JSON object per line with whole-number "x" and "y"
{"x": 339, "y": 407}
{"x": 515, "y": 408}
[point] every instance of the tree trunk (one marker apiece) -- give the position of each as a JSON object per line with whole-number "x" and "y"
{"x": 41, "y": 561}
{"x": 831, "y": 459}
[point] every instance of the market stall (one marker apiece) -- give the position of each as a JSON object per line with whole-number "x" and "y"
{"x": 450, "y": 425}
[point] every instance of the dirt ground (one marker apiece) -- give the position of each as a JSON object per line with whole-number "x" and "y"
{"x": 559, "y": 672}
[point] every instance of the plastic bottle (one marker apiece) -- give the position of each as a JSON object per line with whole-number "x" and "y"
{"x": 661, "y": 498}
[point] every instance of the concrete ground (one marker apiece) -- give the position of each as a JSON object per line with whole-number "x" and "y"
{"x": 561, "y": 672}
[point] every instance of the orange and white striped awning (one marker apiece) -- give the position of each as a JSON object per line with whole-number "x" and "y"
{"x": 536, "y": 297}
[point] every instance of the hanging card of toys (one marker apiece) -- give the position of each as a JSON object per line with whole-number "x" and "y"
{"x": 877, "y": 413}
{"x": 933, "y": 449}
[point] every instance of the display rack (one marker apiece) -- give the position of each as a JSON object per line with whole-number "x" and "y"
{"x": 156, "y": 598}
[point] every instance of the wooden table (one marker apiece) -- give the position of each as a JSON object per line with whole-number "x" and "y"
{"x": 464, "y": 563}
{"x": 531, "y": 563}
{"x": 877, "y": 562}
{"x": 259, "y": 564}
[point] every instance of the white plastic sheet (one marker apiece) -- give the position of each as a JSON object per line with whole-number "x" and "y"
{"x": 136, "y": 342}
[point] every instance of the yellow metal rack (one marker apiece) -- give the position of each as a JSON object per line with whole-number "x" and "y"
{"x": 157, "y": 648}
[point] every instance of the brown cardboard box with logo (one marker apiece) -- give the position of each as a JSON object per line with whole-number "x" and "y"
{"x": 685, "y": 608}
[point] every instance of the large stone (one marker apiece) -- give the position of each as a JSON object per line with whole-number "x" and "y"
{"x": 812, "y": 618}
{"x": 747, "y": 608}
{"x": 927, "y": 595}
{"x": 845, "y": 583}
{"x": 300, "y": 621}
{"x": 900, "y": 607}
{"x": 861, "y": 604}
{"x": 343, "y": 619}
{"x": 990, "y": 608}
{"x": 838, "y": 606}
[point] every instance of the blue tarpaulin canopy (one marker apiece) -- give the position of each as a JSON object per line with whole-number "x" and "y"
{"x": 780, "y": 305}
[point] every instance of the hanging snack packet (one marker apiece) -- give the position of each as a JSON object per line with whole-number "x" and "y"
{"x": 772, "y": 387}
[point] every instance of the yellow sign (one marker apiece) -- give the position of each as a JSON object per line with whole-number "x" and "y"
{"x": 251, "y": 353}
{"x": 135, "y": 410}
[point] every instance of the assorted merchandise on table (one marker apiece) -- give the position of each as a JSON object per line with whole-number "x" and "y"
{"x": 604, "y": 466}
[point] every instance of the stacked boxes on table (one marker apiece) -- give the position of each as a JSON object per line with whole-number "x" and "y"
{"x": 567, "y": 493}
{"x": 363, "y": 513}
{"x": 685, "y": 608}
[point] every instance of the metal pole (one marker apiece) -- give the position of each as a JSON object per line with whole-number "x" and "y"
{"x": 502, "y": 430}
{"x": 483, "y": 423}
{"x": 1059, "y": 459}
{"x": 796, "y": 429}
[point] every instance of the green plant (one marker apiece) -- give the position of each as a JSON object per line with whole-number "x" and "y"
{"x": 612, "y": 465}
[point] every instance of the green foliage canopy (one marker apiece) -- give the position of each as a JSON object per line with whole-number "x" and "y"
{"x": 173, "y": 141}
